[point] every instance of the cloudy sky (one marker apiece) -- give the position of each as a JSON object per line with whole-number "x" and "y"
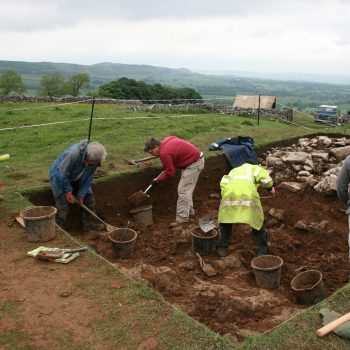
{"x": 311, "y": 36}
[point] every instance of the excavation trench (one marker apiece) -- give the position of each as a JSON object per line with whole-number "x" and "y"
{"x": 229, "y": 302}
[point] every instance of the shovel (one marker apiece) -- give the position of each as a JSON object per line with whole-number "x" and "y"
{"x": 206, "y": 224}
{"x": 139, "y": 197}
{"x": 109, "y": 228}
{"x": 208, "y": 269}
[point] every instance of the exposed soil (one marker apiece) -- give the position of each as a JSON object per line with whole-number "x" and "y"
{"x": 230, "y": 301}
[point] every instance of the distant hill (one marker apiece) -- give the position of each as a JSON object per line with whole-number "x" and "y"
{"x": 300, "y": 77}
{"x": 296, "y": 93}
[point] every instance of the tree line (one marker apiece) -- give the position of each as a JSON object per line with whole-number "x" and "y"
{"x": 55, "y": 84}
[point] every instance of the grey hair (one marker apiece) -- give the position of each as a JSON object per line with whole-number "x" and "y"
{"x": 95, "y": 151}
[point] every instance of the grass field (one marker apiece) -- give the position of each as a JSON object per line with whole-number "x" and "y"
{"x": 34, "y": 135}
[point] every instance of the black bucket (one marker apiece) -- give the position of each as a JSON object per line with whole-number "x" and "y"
{"x": 143, "y": 215}
{"x": 308, "y": 287}
{"x": 123, "y": 242}
{"x": 203, "y": 243}
{"x": 267, "y": 271}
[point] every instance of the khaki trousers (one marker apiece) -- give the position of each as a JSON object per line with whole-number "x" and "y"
{"x": 187, "y": 184}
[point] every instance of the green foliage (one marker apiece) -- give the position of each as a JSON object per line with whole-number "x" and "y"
{"x": 52, "y": 84}
{"x": 10, "y": 81}
{"x": 125, "y": 88}
{"x": 76, "y": 82}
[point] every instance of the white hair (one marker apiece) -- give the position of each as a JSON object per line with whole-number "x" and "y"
{"x": 95, "y": 151}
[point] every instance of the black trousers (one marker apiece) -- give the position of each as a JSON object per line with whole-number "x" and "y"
{"x": 63, "y": 208}
{"x": 259, "y": 237}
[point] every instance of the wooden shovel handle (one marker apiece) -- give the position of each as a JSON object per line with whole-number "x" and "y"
{"x": 333, "y": 325}
{"x": 201, "y": 261}
{"x": 92, "y": 213}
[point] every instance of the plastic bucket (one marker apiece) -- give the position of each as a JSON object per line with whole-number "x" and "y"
{"x": 143, "y": 215}
{"x": 39, "y": 223}
{"x": 267, "y": 271}
{"x": 123, "y": 242}
{"x": 203, "y": 243}
{"x": 308, "y": 287}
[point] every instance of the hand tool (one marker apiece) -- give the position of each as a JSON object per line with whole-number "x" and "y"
{"x": 57, "y": 253}
{"x": 137, "y": 161}
{"x": 208, "y": 269}
{"x": 139, "y": 197}
{"x": 333, "y": 325}
{"x": 206, "y": 224}
{"x": 109, "y": 228}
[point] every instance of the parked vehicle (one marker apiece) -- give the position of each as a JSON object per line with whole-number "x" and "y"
{"x": 327, "y": 114}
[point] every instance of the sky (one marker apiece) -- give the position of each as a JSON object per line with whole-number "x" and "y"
{"x": 277, "y": 36}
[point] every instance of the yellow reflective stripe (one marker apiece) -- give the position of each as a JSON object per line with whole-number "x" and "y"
{"x": 248, "y": 175}
{"x": 256, "y": 172}
{"x": 240, "y": 204}
{"x": 225, "y": 180}
{"x": 265, "y": 181}
{"x": 234, "y": 203}
{"x": 242, "y": 177}
{"x": 249, "y": 171}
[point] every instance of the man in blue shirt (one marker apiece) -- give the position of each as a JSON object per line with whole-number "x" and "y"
{"x": 71, "y": 177}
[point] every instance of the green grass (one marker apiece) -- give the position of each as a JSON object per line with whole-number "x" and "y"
{"x": 300, "y": 332}
{"x": 16, "y": 340}
{"x": 32, "y": 150}
{"x": 10, "y": 308}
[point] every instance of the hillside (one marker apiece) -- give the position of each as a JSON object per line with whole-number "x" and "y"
{"x": 301, "y": 94}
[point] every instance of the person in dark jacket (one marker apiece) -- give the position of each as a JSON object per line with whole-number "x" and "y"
{"x": 71, "y": 178}
{"x": 176, "y": 153}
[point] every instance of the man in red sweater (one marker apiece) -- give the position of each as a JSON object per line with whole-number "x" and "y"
{"x": 176, "y": 153}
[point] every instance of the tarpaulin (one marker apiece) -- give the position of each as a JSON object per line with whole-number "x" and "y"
{"x": 237, "y": 149}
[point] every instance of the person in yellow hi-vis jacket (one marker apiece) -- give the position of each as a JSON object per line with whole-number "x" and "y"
{"x": 240, "y": 203}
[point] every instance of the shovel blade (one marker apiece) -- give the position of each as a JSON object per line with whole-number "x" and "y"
{"x": 209, "y": 270}
{"x": 206, "y": 224}
{"x": 138, "y": 198}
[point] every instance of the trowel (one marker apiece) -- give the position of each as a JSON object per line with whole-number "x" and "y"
{"x": 208, "y": 269}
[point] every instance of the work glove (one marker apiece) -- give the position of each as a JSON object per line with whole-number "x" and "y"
{"x": 272, "y": 190}
{"x": 154, "y": 182}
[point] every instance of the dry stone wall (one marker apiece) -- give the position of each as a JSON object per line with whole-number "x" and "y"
{"x": 138, "y": 104}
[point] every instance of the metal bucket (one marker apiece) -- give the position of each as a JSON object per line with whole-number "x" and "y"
{"x": 39, "y": 223}
{"x": 143, "y": 215}
{"x": 308, "y": 287}
{"x": 123, "y": 242}
{"x": 203, "y": 243}
{"x": 267, "y": 271}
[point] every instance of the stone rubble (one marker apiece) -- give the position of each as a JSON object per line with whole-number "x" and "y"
{"x": 310, "y": 162}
